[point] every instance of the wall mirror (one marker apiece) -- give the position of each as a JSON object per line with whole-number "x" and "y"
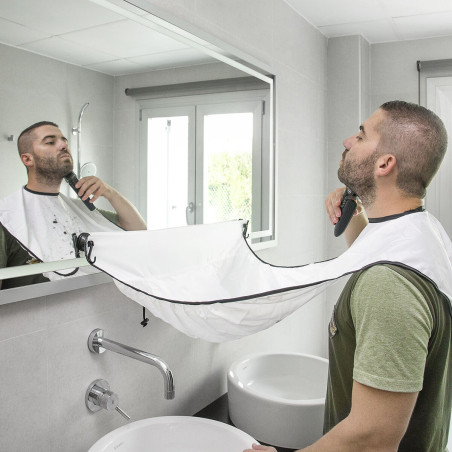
{"x": 120, "y": 76}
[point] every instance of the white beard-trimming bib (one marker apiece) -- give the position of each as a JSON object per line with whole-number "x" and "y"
{"x": 44, "y": 223}
{"x": 205, "y": 280}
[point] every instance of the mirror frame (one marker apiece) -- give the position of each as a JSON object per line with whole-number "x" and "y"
{"x": 175, "y": 27}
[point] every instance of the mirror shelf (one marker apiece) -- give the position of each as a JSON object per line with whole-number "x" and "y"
{"x": 51, "y": 288}
{"x": 41, "y": 267}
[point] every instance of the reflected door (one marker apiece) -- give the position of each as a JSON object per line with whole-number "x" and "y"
{"x": 439, "y": 192}
{"x": 169, "y": 143}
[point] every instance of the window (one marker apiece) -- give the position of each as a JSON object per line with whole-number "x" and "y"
{"x": 207, "y": 160}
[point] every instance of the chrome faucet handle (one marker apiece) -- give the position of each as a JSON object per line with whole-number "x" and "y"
{"x": 98, "y": 396}
{"x": 122, "y": 413}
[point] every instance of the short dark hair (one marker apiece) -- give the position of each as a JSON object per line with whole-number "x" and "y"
{"x": 24, "y": 141}
{"x": 418, "y": 139}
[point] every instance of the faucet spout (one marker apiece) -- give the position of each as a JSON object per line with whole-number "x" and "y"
{"x": 97, "y": 343}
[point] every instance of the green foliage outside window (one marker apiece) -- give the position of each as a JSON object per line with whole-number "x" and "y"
{"x": 230, "y": 185}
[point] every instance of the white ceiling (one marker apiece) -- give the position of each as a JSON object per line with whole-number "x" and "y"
{"x": 87, "y": 34}
{"x": 84, "y": 33}
{"x": 378, "y": 20}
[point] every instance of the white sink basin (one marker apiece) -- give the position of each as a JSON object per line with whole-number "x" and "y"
{"x": 174, "y": 434}
{"x": 279, "y": 398}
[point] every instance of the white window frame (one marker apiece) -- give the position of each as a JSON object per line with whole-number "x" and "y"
{"x": 257, "y": 100}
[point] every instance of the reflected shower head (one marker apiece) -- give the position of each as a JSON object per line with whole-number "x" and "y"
{"x": 78, "y": 131}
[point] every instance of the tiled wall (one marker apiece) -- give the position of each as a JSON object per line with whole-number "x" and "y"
{"x": 47, "y": 367}
{"x": 394, "y": 70}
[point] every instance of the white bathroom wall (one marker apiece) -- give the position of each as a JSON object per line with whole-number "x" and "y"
{"x": 394, "y": 72}
{"x": 34, "y": 88}
{"x": 46, "y": 366}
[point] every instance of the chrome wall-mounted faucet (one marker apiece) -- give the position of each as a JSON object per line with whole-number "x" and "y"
{"x": 97, "y": 343}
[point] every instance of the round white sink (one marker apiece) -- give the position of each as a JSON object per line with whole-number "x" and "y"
{"x": 174, "y": 434}
{"x": 279, "y": 398}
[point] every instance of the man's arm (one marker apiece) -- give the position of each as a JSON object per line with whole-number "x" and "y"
{"x": 357, "y": 223}
{"x": 376, "y": 423}
{"x": 128, "y": 216}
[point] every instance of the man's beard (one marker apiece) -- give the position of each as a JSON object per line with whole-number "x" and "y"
{"x": 51, "y": 170}
{"x": 359, "y": 177}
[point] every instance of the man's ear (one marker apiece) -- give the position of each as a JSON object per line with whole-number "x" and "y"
{"x": 386, "y": 164}
{"x": 27, "y": 159}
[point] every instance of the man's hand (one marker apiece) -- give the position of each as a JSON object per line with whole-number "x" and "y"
{"x": 92, "y": 185}
{"x": 128, "y": 216}
{"x": 358, "y": 222}
{"x": 332, "y": 203}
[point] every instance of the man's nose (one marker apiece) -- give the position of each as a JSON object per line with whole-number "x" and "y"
{"x": 62, "y": 145}
{"x": 347, "y": 143}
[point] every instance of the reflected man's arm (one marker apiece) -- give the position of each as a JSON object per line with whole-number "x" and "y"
{"x": 128, "y": 216}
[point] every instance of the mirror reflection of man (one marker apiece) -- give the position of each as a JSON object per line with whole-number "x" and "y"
{"x": 48, "y": 214}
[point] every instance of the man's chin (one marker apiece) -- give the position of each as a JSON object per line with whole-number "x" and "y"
{"x": 65, "y": 171}
{"x": 340, "y": 177}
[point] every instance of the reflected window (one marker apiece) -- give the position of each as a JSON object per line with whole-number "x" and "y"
{"x": 204, "y": 162}
{"x": 228, "y": 166}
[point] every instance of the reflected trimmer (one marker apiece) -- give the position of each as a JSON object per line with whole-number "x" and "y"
{"x": 71, "y": 179}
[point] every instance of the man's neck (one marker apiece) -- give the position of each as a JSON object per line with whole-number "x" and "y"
{"x": 43, "y": 187}
{"x": 388, "y": 206}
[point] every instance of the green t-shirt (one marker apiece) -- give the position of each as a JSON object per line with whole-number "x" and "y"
{"x": 391, "y": 330}
{"x": 12, "y": 254}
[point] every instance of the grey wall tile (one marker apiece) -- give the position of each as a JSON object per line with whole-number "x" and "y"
{"x": 74, "y": 305}
{"x": 24, "y": 417}
{"x": 17, "y": 319}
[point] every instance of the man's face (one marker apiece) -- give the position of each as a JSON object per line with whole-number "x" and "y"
{"x": 356, "y": 169}
{"x": 51, "y": 154}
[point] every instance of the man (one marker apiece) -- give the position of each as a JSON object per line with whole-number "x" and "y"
{"x": 390, "y": 378}
{"x": 50, "y": 217}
